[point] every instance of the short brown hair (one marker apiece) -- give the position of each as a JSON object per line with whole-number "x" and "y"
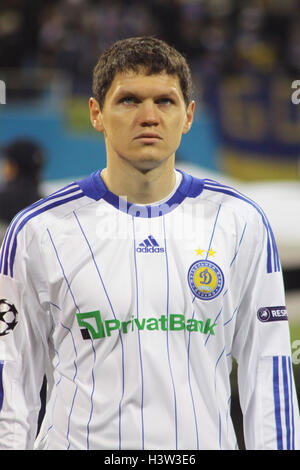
{"x": 153, "y": 55}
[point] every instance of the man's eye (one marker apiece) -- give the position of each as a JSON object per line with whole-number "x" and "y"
{"x": 165, "y": 101}
{"x": 128, "y": 100}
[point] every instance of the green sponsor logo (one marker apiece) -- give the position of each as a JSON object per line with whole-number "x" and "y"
{"x": 92, "y": 325}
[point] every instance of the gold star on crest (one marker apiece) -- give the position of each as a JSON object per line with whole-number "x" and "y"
{"x": 200, "y": 252}
{"x": 211, "y": 252}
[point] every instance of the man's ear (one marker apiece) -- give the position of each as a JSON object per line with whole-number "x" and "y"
{"x": 96, "y": 115}
{"x": 189, "y": 117}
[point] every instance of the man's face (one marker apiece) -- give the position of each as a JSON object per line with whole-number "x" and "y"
{"x": 143, "y": 118}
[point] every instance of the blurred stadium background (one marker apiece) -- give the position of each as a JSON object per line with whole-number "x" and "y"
{"x": 245, "y": 56}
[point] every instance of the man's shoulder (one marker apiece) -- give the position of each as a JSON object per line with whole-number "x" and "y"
{"x": 47, "y": 210}
{"x": 57, "y": 204}
{"x": 32, "y": 222}
{"x": 231, "y": 197}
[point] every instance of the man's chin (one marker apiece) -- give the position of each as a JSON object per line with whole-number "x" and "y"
{"x": 145, "y": 167}
{"x": 148, "y": 163}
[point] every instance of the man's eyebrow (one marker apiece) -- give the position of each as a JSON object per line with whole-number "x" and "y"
{"x": 125, "y": 92}
{"x": 129, "y": 92}
{"x": 170, "y": 92}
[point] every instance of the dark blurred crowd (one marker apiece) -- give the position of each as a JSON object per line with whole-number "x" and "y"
{"x": 22, "y": 162}
{"x": 217, "y": 36}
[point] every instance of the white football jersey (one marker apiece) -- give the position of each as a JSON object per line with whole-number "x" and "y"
{"x": 135, "y": 313}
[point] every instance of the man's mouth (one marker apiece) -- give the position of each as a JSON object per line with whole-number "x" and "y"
{"x": 148, "y": 137}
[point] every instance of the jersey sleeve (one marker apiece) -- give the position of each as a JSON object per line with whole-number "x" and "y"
{"x": 262, "y": 348}
{"x": 24, "y": 328}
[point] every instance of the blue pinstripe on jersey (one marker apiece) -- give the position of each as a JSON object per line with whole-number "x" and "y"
{"x": 139, "y": 338}
{"x": 232, "y": 317}
{"x": 216, "y": 365}
{"x": 228, "y": 413}
{"x": 239, "y": 245}
{"x": 190, "y": 385}
{"x": 272, "y": 252}
{"x": 276, "y": 392}
{"x": 290, "y": 378}
{"x": 10, "y": 241}
{"x": 213, "y": 230}
{"x": 215, "y": 320}
{"x": 220, "y": 431}
{"x": 113, "y": 312}
{"x": 91, "y": 399}
{"x": 286, "y": 402}
{"x": 1, "y": 385}
{"x": 167, "y": 336}
{"x": 75, "y": 351}
{"x": 56, "y": 385}
{"x": 283, "y": 400}
{"x": 75, "y": 383}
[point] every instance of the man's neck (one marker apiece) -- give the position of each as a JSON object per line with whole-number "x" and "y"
{"x": 139, "y": 186}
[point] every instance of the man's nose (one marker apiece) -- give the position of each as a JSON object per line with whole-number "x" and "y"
{"x": 148, "y": 114}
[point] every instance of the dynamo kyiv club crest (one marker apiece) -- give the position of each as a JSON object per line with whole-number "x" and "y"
{"x": 206, "y": 279}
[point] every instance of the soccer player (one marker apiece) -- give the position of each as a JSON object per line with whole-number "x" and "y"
{"x": 134, "y": 288}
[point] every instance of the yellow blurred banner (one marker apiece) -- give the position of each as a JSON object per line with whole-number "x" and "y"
{"x": 250, "y": 167}
{"x": 258, "y": 124}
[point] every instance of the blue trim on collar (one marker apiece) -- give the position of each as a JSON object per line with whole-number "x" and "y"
{"x": 94, "y": 187}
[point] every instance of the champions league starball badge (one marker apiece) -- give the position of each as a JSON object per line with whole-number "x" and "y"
{"x": 8, "y": 317}
{"x": 206, "y": 279}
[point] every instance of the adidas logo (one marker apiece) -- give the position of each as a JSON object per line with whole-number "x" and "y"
{"x": 149, "y": 245}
